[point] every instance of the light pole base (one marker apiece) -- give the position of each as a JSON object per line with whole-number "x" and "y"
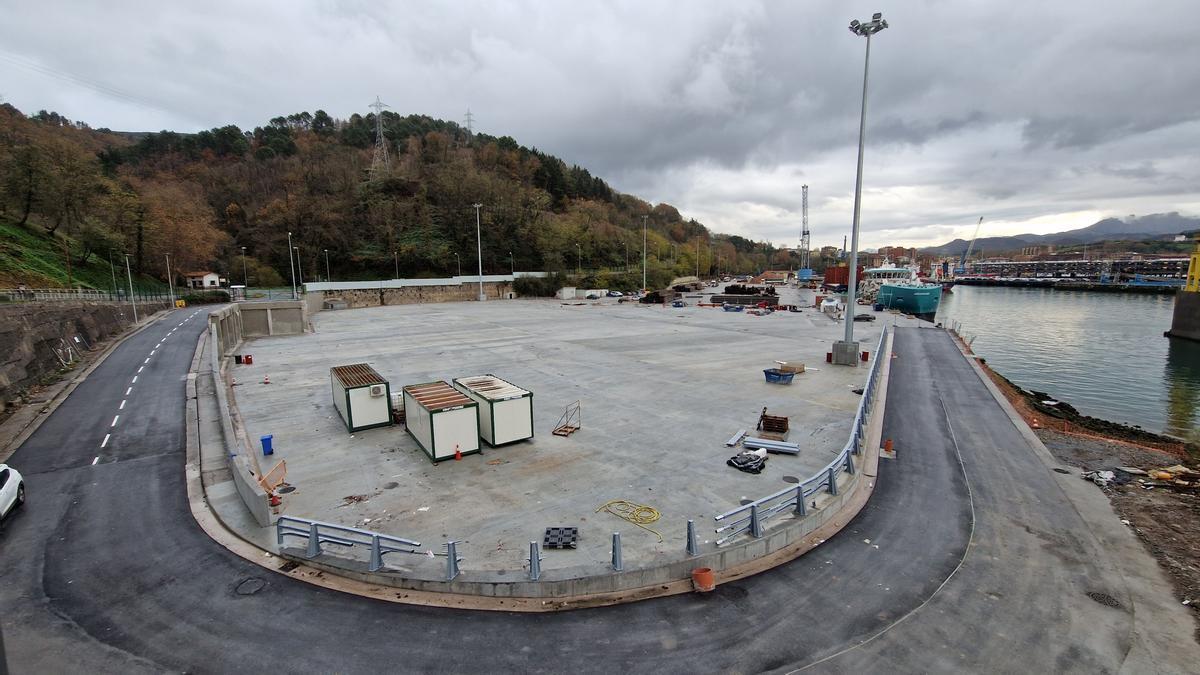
{"x": 845, "y": 353}
{"x": 482, "y": 297}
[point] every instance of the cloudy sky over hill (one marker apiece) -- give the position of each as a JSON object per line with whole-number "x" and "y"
{"x": 1039, "y": 116}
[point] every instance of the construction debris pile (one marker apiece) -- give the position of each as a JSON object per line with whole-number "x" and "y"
{"x": 1177, "y": 477}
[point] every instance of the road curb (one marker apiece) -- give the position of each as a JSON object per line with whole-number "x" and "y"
{"x": 64, "y": 389}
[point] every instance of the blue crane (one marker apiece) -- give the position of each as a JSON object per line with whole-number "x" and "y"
{"x": 962, "y": 262}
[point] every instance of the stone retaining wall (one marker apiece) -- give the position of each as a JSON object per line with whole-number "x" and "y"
{"x": 411, "y": 295}
{"x": 37, "y": 338}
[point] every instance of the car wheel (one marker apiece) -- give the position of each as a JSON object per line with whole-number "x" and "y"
{"x": 21, "y": 494}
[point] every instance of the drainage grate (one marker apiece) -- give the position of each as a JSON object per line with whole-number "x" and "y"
{"x": 288, "y": 566}
{"x": 791, "y": 479}
{"x": 560, "y": 537}
{"x": 250, "y": 586}
{"x": 1105, "y": 599}
{"x": 1058, "y": 470}
{"x": 286, "y": 489}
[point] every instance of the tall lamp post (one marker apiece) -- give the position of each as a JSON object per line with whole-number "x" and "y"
{"x": 129, "y": 275}
{"x": 327, "y": 277}
{"x": 396, "y": 258}
{"x": 845, "y": 353}
{"x": 458, "y": 261}
{"x": 479, "y": 251}
{"x": 626, "y": 243}
{"x": 245, "y": 277}
{"x": 644, "y": 252}
{"x": 170, "y": 280}
{"x": 512, "y": 262}
{"x": 299, "y": 267}
{"x": 578, "y": 260}
{"x": 292, "y": 265}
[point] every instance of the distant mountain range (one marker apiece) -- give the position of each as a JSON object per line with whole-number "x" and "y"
{"x": 1154, "y": 226}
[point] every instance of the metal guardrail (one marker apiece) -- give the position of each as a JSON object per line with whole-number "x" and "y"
{"x": 317, "y": 533}
{"x": 75, "y": 295}
{"x": 751, "y": 516}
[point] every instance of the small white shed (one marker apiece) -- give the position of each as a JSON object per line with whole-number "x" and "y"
{"x": 505, "y": 410}
{"x": 361, "y": 396}
{"x": 441, "y": 419}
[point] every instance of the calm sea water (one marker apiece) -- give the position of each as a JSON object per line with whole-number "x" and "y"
{"x": 1103, "y": 353}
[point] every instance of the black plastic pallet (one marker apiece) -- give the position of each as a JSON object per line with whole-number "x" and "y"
{"x": 560, "y": 537}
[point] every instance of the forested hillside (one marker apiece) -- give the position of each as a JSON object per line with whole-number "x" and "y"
{"x": 203, "y": 197}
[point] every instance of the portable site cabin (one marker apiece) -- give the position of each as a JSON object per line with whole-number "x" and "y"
{"x": 505, "y": 410}
{"x": 441, "y": 419}
{"x": 361, "y": 396}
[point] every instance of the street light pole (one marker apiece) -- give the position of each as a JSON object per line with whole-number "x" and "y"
{"x": 512, "y": 262}
{"x": 396, "y": 258}
{"x": 846, "y": 352}
{"x": 292, "y": 265}
{"x": 299, "y": 267}
{"x": 479, "y": 251}
{"x": 170, "y": 281}
{"x": 245, "y": 277}
{"x": 129, "y": 275}
{"x": 626, "y": 243}
{"x": 458, "y": 261}
{"x": 578, "y": 260}
{"x": 327, "y": 277}
{"x": 643, "y": 252}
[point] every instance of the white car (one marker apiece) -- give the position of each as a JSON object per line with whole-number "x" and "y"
{"x": 12, "y": 490}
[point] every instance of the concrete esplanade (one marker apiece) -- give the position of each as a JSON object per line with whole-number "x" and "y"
{"x": 661, "y": 391}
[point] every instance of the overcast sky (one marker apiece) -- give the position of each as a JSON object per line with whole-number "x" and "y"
{"x": 1039, "y": 116}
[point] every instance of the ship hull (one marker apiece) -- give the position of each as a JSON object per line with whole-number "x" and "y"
{"x": 919, "y": 301}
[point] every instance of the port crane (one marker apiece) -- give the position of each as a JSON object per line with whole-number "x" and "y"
{"x": 962, "y": 262}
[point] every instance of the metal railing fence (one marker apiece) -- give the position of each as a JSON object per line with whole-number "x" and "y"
{"x": 78, "y": 295}
{"x": 751, "y": 517}
{"x": 317, "y": 533}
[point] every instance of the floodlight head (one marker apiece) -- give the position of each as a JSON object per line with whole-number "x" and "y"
{"x": 883, "y": 24}
{"x": 853, "y": 24}
{"x": 877, "y": 16}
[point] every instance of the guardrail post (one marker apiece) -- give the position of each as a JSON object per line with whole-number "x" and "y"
{"x": 279, "y": 532}
{"x": 832, "y": 481}
{"x": 314, "y": 542}
{"x": 850, "y": 464}
{"x": 693, "y": 546}
{"x": 755, "y": 523}
{"x": 535, "y": 561}
{"x": 451, "y": 560}
{"x": 617, "y": 563}
{"x": 376, "y": 555}
{"x": 801, "y": 507}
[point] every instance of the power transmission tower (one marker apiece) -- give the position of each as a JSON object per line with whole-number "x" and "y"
{"x": 805, "y": 242}
{"x": 380, "y": 161}
{"x": 470, "y": 120}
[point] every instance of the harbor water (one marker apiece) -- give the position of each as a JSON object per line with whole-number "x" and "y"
{"x": 1103, "y": 353}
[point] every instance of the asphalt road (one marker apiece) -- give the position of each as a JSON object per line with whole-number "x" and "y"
{"x": 105, "y": 570}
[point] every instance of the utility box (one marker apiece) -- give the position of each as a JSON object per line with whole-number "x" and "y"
{"x": 361, "y": 396}
{"x": 442, "y": 419}
{"x": 505, "y": 410}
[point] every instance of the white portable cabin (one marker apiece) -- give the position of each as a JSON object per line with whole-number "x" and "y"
{"x": 441, "y": 419}
{"x": 361, "y": 396}
{"x": 505, "y": 410}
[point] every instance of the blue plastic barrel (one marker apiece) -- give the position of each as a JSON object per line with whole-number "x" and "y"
{"x": 268, "y": 448}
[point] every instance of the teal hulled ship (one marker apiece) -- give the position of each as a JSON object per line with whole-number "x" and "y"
{"x": 900, "y": 288}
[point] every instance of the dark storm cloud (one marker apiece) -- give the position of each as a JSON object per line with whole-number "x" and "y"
{"x": 723, "y": 109}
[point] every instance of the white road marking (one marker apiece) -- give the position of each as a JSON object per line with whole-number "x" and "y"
{"x": 147, "y": 359}
{"x": 104, "y": 442}
{"x": 128, "y": 390}
{"x": 140, "y": 368}
{"x": 134, "y": 380}
{"x": 96, "y": 460}
{"x": 122, "y": 405}
{"x": 152, "y": 353}
{"x": 114, "y": 422}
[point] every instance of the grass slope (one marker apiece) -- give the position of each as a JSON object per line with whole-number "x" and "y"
{"x": 35, "y": 259}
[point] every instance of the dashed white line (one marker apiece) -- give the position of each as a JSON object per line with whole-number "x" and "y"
{"x": 147, "y": 359}
{"x": 151, "y": 353}
{"x": 141, "y": 368}
{"x": 104, "y": 442}
{"x": 122, "y": 405}
{"x": 114, "y": 422}
{"x": 95, "y": 460}
{"x": 128, "y": 390}
{"x": 134, "y": 380}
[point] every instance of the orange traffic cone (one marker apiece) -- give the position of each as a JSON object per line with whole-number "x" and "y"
{"x": 266, "y": 379}
{"x": 457, "y": 454}
{"x": 887, "y": 445}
